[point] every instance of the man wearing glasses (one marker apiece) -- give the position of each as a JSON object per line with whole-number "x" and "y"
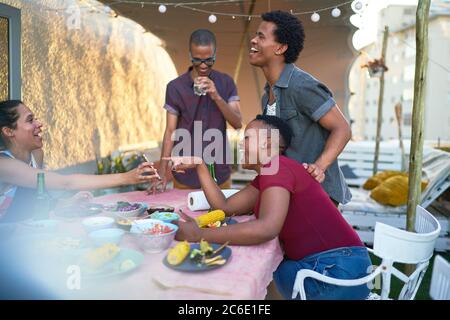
{"x": 201, "y": 95}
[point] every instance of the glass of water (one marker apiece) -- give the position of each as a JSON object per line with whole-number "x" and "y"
{"x": 198, "y": 88}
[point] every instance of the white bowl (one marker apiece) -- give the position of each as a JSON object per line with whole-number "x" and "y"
{"x": 153, "y": 243}
{"x": 110, "y": 208}
{"x": 104, "y": 236}
{"x": 97, "y": 223}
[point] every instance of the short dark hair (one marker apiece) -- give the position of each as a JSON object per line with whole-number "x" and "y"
{"x": 289, "y": 31}
{"x": 8, "y": 116}
{"x": 202, "y": 37}
{"x": 279, "y": 124}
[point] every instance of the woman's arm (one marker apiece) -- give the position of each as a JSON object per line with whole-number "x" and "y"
{"x": 240, "y": 203}
{"x": 18, "y": 173}
{"x": 272, "y": 214}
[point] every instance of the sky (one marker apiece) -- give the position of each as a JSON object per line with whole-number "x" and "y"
{"x": 368, "y": 24}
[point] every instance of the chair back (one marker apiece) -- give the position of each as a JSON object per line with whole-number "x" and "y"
{"x": 404, "y": 246}
{"x": 440, "y": 279}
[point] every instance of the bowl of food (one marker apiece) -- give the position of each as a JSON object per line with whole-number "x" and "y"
{"x": 154, "y": 235}
{"x": 165, "y": 216}
{"x": 126, "y": 209}
{"x": 97, "y": 223}
{"x": 160, "y": 208}
{"x": 124, "y": 224}
{"x": 104, "y": 236}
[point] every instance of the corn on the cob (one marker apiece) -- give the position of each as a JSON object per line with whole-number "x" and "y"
{"x": 178, "y": 253}
{"x": 210, "y": 217}
{"x": 99, "y": 257}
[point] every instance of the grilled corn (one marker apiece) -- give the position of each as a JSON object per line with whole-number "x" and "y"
{"x": 178, "y": 253}
{"x": 210, "y": 217}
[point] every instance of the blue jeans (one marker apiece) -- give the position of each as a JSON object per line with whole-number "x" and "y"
{"x": 340, "y": 263}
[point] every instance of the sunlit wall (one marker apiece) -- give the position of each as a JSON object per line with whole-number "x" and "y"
{"x": 97, "y": 82}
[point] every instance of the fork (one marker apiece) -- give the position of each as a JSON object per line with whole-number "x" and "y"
{"x": 203, "y": 290}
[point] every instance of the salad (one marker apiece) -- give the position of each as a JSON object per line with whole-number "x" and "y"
{"x": 157, "y": 229}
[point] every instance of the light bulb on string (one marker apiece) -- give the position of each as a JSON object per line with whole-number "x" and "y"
{"x": 162, "y": 8}
{"x": 142, "y": 5}
{"x": 233, "y": 17}
{"x": 336, "y": 12}
{"x": 315, "y": 17}
{"x": 212, "y": 18}
{"x": 357, "y": 5}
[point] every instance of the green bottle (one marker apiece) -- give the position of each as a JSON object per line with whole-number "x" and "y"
{"x": 212, "y": 171}
{"x": 42, "y": 200}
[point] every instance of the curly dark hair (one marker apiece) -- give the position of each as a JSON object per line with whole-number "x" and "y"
{"x": 289, "y": 31}
{"x": 279, "y": 124}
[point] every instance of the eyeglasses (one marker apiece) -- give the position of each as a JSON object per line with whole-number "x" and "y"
{"x": 208, "y": 61}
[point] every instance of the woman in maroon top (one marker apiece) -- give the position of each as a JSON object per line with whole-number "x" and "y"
{"x": 290, "y": 204}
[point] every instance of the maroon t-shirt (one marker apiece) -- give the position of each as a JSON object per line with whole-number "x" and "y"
{"x": 182, "y": 102}
{"x": 313, "y": 223}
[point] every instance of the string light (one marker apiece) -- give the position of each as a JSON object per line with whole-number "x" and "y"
{"x": 356, "y": 5}
{"x": 162, "y": 8}
{"x": 212, "y": 18}
{"x": 315, "y": 17}
{"x": 336, "y": 12}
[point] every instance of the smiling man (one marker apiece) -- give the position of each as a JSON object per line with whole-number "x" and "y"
{"x": 212, "y": 103}
{"x": 320, "y": 129}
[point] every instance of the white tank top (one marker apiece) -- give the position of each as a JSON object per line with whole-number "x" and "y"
{"x": 7, "y": 192}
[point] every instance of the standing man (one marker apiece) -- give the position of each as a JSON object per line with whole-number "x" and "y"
{"x": 320, "y": 129}
{"x": 218, "y": 105}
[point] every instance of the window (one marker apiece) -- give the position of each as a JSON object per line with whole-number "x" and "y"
{"x": 408, "y": 72}
{"x": 408, "y": 94}
{"x": 395, "y": 79}
{"x": 407, "y": 119}
{"x": 10, "y": 64}
{"x": 410, "y": 50}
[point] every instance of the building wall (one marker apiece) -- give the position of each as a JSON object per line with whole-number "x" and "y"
{"x": 399, "y": 83}
{"x": 95, "y": 88}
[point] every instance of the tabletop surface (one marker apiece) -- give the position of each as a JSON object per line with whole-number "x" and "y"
{"x": 245, "y": 276}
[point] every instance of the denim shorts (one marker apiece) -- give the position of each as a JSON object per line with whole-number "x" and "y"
{"x": 340, "y": 263}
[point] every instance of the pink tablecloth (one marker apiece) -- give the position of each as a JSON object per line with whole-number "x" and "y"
{"x": 245, "y": 276}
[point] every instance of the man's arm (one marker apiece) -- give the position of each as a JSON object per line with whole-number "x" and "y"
{"x": 340, "y": 133}
{"x": 231, "y": 111}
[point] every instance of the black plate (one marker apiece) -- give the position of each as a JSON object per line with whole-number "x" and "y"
{"x": 228, "y": 221}
{"x": 188, "y": 266}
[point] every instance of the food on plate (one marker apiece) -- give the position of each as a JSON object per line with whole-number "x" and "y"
{"x": 124, "y": 222}
{"x": 178, "y": 253}
{"x": 160, "y": 208}
{"x": 98, "y": 257}
{"x": 123, "y": 206}
{"x": 157, "y": 229}
{"x": 210, "y": 217}
{"x": 205, "y": 247}
{"x": 126, "y": 265}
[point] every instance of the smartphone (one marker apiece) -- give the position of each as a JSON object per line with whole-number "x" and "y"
{"x": 149, "y": 173}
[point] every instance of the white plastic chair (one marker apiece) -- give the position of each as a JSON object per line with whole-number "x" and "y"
{"x": 440, "y": 279}
{"x": 391, "y": 245}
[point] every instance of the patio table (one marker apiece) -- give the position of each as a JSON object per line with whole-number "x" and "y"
{"x": 245, "y": 276}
